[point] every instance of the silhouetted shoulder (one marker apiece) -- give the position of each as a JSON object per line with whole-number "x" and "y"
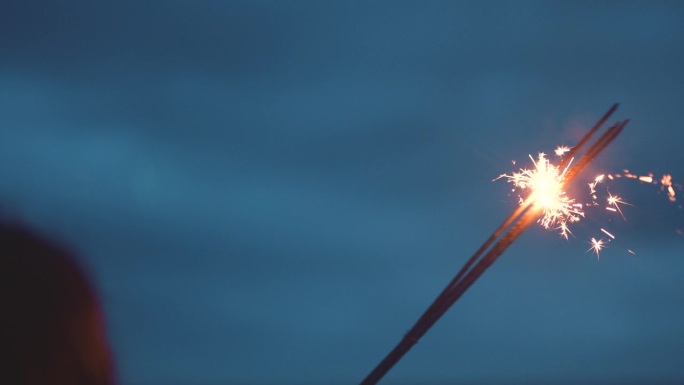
{"x": 51, "y": 330}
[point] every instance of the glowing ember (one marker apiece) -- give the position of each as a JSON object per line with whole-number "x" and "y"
{"x": 561, "y": 150}
{"x": 647, "y": 178}
{"x": 666, "y": 181}
{"x": 608, "y": 234}
{"x": 596, "y": 246}
{"x": 545, "y": 184}
{"x": 614, "y": 200}
{"x": 592, "y": 185}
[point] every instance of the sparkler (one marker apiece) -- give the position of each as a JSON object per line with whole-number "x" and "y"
{"x": 547, "y": 184}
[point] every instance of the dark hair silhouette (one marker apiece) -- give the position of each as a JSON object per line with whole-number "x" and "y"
{"x": 51, "y": 326}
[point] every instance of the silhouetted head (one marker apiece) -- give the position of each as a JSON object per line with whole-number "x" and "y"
{"x": 51, "y": 326}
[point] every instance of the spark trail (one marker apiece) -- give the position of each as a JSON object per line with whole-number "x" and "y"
{"x": 520, "y": 219}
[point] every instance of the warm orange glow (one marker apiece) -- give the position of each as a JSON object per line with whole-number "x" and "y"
{"x": 545, "y": 184}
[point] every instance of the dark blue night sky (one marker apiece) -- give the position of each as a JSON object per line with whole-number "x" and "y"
{"x": 271, "y": 192}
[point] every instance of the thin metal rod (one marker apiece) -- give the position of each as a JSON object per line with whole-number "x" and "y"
{"x": 589, "y": 134}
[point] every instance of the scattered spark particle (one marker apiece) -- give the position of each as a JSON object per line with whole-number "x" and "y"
{"x": 561, "y": 150}
{"x": 671, "y": 193}
{"x": 564, "y": 230}
{"x": 611, "y": 209}
{"x": 596, "y": 246}
{"x": 631, "y": 252}
{"x": 614, "y": 200}
{"x": 666, "y": 181}
{"x": 607, "y": 233}
{"x": 646, "y": 178}
{"x": 592, "y": 185}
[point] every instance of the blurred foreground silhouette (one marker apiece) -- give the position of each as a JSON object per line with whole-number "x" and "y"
{"x": 51, "y": 328}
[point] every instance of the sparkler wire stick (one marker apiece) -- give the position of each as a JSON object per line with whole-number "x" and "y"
{"x": 462, "y": 281}
{"x": 589, "y": 134}
{"x": 435, "y": 311}
{"x": 595, "y": 149}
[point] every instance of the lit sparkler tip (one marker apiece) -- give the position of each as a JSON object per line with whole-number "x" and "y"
{"x": 545, "y": 183}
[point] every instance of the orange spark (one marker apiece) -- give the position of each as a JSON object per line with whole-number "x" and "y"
{"x": 561, "y": 150}
{"x": 646, "y": 178}
{"x": 592, "y": 185}
{"x": 607, "y": 233}
{"x": 614, "y": 200}
{"x": 596, "y": 246}
{"x": 666, "y": 182}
